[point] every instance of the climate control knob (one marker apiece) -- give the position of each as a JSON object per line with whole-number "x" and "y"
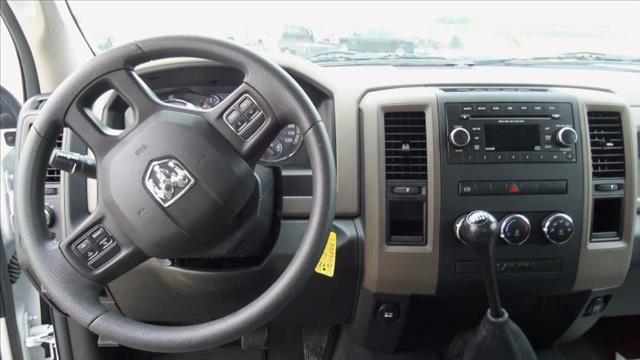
{"x": 566, "y": 136}
{"x": 515, "y": 229}
{"x": 459, "y": 137}
{"x": 557, "y": 228}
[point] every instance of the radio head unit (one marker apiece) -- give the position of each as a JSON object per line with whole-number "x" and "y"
{"x": 510, "y": 132}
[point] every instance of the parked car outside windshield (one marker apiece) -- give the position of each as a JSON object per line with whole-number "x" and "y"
{"x": 353, "y": 33}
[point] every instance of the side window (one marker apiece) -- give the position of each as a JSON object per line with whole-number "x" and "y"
{"x": 10, "y": 73}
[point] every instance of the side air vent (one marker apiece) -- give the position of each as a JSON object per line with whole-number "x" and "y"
{"x": 405, "y": 145}
{"x": 53, "y": 175}
{"x": 607, "y": 145}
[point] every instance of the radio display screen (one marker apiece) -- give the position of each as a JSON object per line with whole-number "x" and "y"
{"x": 500, "y": 137}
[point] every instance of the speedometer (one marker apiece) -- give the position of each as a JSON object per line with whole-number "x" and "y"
{"x": 285, "y": 145}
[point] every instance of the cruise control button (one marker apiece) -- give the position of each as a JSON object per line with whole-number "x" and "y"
{"x": 104, "y": 243}
{"x": 105, "y": 257}
{"x": 233, "y": 116}
{"x": 91, "y": 254}
{"x": 251, "y": 112}
{"x": 238, "y": 125}
{"x": 251, "y": 129}
{"x": 245, "y": 104}
{"x": 82, "y": 246}
{"x": 98, "y": 233}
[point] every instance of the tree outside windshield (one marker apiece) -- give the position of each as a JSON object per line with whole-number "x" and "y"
{"x": 311, "y": 30}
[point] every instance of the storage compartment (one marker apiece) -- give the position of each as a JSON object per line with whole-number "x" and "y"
{"x": 606, "y": 221}
{"x": 406, "y": 222}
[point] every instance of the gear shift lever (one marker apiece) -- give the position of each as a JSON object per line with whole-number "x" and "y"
{"x": 497, "y": 337}
{"x": 479, "y": 229}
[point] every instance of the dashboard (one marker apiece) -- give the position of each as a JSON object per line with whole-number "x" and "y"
{"x": 551, "y": 153}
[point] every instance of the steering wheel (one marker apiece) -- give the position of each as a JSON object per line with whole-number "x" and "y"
{"x": 167, "y": 185}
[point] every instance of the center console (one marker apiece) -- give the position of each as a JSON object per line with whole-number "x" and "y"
{"x": 519, "y": 156}
{"x": 551, "y": 165}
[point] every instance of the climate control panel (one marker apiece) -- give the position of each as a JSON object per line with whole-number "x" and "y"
{"x": 516, "y": 228}
{"x": 520, "y": 156}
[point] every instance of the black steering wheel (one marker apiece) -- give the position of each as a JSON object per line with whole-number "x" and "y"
{"x": 167, "y": 185}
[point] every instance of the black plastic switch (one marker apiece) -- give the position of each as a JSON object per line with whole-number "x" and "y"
{"x": 388, "y": 313}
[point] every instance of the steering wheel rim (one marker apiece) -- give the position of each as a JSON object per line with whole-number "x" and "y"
{"x": 74, "y": 288}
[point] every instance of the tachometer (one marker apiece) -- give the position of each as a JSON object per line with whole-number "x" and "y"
{"x": 210, "y": 101}
{"x": 285, "y": 145}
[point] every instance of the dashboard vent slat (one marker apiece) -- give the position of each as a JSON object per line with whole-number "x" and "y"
{"x": 53, "y": 175}
{"x": 607, "y": 144}
{"x": 405, "y": 145}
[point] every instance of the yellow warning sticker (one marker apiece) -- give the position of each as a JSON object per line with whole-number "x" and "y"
{"x": 327, "y": 264}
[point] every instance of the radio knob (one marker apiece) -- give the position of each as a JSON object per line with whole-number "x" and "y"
{"x": 566, "y": 136}
{"x": 515, "y": 229}
{"x": 557, "y": 228}
{"x": 459, "y": 137}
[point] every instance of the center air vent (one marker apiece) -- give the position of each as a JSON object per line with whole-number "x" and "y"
{"x": 53, "y": 175}
{"x": 405, "y": 145}
{"x": 607, "y": 144}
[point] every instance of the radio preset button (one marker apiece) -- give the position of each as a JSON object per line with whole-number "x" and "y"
{"x": 486, "y": 157}
{"x": 513, "y": 157}
{"x": 528, "y": 157}
{"x": 470, "y": 157}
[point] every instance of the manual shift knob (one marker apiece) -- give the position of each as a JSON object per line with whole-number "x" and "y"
{"x": 478, "y": 229}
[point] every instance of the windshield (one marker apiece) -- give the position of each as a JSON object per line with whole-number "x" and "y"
{"x": 332, "y": 32}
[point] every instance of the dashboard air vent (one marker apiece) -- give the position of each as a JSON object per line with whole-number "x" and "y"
{"x": 492, "y": 89}
{"x": 53, "y": 175}
{"x": 405, "y": 145}
{"x": 607, "y": 145}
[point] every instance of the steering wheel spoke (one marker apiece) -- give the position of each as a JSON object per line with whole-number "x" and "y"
{"x": 81, "y": 121}
{"x": 99, "y": 249}
{"x": 135, "y": 93}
